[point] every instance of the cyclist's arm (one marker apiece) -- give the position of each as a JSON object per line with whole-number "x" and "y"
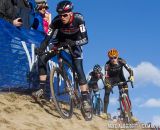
{"x": 51, "y": 32}
{"x": 127, "y": 67}
{"x": 107, "y": 75}
{"x": 106, "y": 70}
{"x": 102, "y": 77}
{"x": 89, "y": 76}
{"x": 83, "y": 31}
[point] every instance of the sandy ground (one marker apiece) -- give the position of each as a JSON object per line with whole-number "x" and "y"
{"x": 21, "y": 112}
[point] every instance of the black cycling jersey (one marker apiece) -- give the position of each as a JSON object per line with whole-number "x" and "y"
{"x": 116, "y": 70}
{"x": 75, "y": 31}
{"x": 93, "y": 82}
{"x": 95, "y": 77}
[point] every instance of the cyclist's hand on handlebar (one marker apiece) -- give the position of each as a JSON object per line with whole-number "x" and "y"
{"x": 131, "y": 78}
{"x": 55, "y": 48}
{"x": 38, "y": 51}
{"x": 63, "y": 44}
{"x": 70, "y": 42}
{"x": 107, "y": 84}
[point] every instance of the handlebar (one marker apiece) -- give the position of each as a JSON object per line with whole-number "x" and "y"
{"x": 50, "y": 51}
{"x": 60, "y": 49}
{"x": 123, "y": 83}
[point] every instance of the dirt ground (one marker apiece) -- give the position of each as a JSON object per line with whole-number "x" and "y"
{"x": 21, "y": 112}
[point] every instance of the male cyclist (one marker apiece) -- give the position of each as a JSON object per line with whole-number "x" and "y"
{"x": 67, "y": 28}
{"x": 93, "y": 78}
{"x": 114, "y": 74}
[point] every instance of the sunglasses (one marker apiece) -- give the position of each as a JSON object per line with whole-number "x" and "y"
{"x": 113, "y": 58}
{"x": 63, "y": 15}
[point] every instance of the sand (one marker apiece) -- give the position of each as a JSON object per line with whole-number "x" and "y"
{"x": 21, "y": 112}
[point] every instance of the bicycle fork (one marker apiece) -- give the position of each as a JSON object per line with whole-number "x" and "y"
{"x": 126, "y": 103}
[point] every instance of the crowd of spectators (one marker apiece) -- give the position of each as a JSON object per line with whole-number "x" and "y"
{"x": 30, "y": 14}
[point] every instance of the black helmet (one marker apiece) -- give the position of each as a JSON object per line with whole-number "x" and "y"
{"x": 64, "y": 6}
{"x": 97, "y": 68}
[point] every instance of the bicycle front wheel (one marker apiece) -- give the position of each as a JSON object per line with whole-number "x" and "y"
{"x": 60, "y": 94}
{"x": 127, "y": 109}
{"x": 87, "y": 114}
{"x": 99, "y": 106}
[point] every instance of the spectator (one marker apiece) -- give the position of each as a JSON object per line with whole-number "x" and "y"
{"x": 26, "y": 11}
{"x": 8, "y": 12}
{"x": 42, "y": 17}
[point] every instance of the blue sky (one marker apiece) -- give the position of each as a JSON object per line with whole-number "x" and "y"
{"x": 133, "y": 27}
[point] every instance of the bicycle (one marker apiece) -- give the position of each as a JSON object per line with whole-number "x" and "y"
{"x": 97, "y": 104}
{"x": 64, "y": 88}
{"x": 125, "y": 103}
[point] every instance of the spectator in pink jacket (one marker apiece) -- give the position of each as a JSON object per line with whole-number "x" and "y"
{"x": 42, "y": 17}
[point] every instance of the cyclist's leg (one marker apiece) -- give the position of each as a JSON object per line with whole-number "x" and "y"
{"x": 108, "y": 83}
{"x": 42, "y": 65}
{"x": 78, "y": 65}
{"x": 106, "y": 99}
{"x": 90, "y": 87}
{"x": 83, "y": 83}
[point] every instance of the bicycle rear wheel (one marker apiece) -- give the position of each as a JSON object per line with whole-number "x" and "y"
{"x": 60, "y": 94}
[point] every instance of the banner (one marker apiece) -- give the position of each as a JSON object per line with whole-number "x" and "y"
{"x": 17, "y": 55}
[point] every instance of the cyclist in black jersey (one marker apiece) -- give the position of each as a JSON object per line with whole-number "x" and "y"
{"x": 94, "y": 77}
{"x": 114, "y": 74}
{"x": 67, "y": 28}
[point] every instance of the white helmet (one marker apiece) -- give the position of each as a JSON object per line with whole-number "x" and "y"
{"x": 41, "y": 1}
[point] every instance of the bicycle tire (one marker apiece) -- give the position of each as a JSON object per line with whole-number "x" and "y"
{"x": 87, "y": 115}
{"x": 128, "y": 112}
{"x": 97, "y": 106}
{"x": 100, "y": 106}
{"x": 74, "y": 84}
{"x": 127, "y": 109}
{"x": 65, "y": 114}
{"x": 93, "y": 104}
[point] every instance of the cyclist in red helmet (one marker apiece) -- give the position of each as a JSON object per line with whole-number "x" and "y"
{"x": 68, "y": 28}
{"x": 114, "y": 74}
